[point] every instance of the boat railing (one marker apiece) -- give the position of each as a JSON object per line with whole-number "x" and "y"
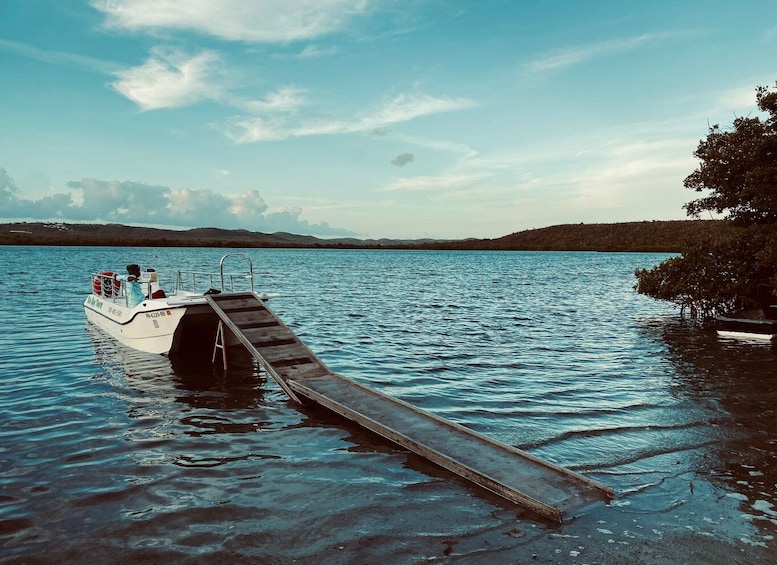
{"x": 199, "y": 282}
{"x": 248, "y": 275}
{"x": 110, "y": 286}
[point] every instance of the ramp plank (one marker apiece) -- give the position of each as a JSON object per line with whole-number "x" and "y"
{"x": 258, "y": 335}
{"x": 518, "y": 476}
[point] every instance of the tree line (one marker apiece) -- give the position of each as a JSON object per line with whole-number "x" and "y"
{"x": 648, "y": 236}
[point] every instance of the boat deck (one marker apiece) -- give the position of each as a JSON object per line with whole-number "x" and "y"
{"x": 551, "y": 491}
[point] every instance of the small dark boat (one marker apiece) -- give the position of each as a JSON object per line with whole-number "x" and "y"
{"x": 757, "y": 323}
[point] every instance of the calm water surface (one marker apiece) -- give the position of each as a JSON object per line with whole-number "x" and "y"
{"x": 107, "y": 453}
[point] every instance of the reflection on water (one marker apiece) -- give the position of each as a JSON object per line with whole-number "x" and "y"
{"x": 738, "y": 382}
{"x": 107, "y": 451}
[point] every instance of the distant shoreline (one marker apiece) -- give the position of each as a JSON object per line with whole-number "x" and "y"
{"x": 647, "y": 236}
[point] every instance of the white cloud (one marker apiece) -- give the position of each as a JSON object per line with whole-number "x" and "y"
{"x": 451, "y": 181}
{"x": 459, "y": 149}
{"x": 581, "y": 53}
{"x": 631, "y": 175}
{"x": 403, "y": 108}
{"x": 407, "y": 107}
{"x": 246, "y": 129}
{"x": 61, "y": 58}
{"x": 314, "y": 51}
{"x": 8, "y": 188}
{"x": 184, "y": 206}
{"x": 248, "y": 206}
{"x": 287, "y": 99}
{"x": 264, "y": 21}
{"x": 739, "y": 101}
{"x": 170, "y": 79}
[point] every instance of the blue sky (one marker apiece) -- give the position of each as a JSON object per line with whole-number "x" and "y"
{"x": 368, "y": 118}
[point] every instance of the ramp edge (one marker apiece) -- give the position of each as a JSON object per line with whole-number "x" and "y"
{"x": 480, "y": 479}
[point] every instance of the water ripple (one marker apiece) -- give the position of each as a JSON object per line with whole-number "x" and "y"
{"x": 107, "y": 451}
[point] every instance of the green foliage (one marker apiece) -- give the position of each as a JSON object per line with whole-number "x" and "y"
{"x": 739, "y": 168}
{"x": 738, "y": 267}
{"x": 731, "y": 272}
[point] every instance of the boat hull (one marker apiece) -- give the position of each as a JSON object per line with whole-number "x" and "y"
{"x": 155, "y": 326}
{"x": 177, "y": 321}
{"x": 746, "y": 328}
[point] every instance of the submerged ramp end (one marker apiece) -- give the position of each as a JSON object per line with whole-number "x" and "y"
{"x": 549, "y": 490}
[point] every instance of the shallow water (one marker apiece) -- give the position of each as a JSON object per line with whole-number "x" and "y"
{"x": 107, "y": 452}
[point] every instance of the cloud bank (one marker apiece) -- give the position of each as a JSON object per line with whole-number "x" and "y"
{"x": 138, "y": 203}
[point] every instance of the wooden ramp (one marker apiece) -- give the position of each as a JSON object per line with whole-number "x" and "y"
{"x": 515, "y": 475}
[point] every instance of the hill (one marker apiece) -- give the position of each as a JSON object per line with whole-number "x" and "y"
{"x": 658, "y": 236}
{"x": 666, "y": 236}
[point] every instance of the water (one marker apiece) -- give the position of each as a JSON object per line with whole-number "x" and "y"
{"x": 107, "y": 453}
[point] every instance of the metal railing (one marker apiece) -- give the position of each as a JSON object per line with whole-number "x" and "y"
{"x": 107, "y": 286}
{"x": 198, "y": 282}
{"x": 247, "y": 275}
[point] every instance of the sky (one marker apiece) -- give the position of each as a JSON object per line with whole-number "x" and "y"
{"x": 408, "y": 119}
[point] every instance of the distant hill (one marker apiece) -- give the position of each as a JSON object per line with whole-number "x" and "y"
{"x": 668, "y": 236}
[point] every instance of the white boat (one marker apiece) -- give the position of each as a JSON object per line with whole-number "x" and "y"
{"x": 138, "y": 310}
{"x": 755, "y": 324}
